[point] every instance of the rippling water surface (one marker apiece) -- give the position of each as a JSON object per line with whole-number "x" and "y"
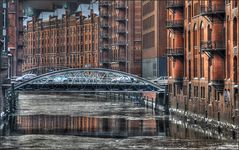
{"x": 66, "y": 121}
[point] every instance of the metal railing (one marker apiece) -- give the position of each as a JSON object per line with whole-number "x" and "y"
{"x": 213, "y": 45}
{"x": 104, "y": 36}
{"x": 121, "y": 43}
{"x": 104, "y": 25}
{"x": 120, "y": 18}
{"x": 175, "y": 51}
{"x": 212, "y": 9}
{"x": 174, "y": 23}
{"x": 120, "y": 30}
{"x": 104, "y": 46}
{"x": 175, "y": 3}
{"x": 119, "y": 59}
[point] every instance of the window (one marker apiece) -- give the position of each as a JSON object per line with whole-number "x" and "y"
{"x": 203, "y": 67}
{"x": 203, "y": 92}
{"x": 195, "y": 91}
{"x": 170, "y": 88}
{"x": 190, "y": 91}
{"x": 189, "y": 41}
{"x": 174, "y": 89}
{"x": 189, "y": 13}
{"x": 235, "y": 32}
{"x": 185, "y": 90}
{"x": 228, "y": 39}
{"x": 195, "y": 36}
{"x": 178, "y": 90}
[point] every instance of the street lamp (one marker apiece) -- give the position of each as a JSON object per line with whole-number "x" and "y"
{"x": 9, "y": 65}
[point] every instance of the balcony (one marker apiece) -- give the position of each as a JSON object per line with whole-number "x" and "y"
{"x": 104, "y": 47}
{"x": 104, "y": 4}
{"x": 218, "y": 84}
{"x": 120, "y": 18}
{"x": 178, "y": 80}
{"x": 174, "y": 4}
{"x": 120, "y": 31}
{"x": 174, "y": 24}
{"x": 104, "y": 36}
{"x": 213, "y": 46}
{"x": 175, "y": 52}
{"x": 104, "y": 14}
{"x": 104, "y": 25}
{"x": 212, "y": 10}
{"x": 119, "y": 59}
{"x": 120, "y": 6}
{"x": 121, "y": 43}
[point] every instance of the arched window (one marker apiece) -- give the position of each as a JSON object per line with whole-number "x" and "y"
{"x": 195, "y": 35}
{"x": 201, "y": 57}
{"x": 228, "y": 47}
{"x": 235, "y": 69}
{"x": 189, "y": 41}
{"x": 234, "y": 32}
{"x": 209, "y": 33}
{"x": 195, "y": 52}
{"x": 201, "y": 31}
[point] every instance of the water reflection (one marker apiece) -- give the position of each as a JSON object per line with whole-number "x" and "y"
{"x": 86, "y": 126}
{"x": 104, "y": 124}
{"x": 113, "y": 127}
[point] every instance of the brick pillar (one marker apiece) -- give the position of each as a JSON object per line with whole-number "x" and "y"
{"x": 178, "y": 68}
{"x": 218, "y": 42}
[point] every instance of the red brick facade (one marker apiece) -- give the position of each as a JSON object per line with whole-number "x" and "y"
{"x": 154, "y": 39}
{"x": 202, "y": 57}
{"x": 68, "y": 42}
{"x": 120, "y": 35}
{"x": 15, "y": 35}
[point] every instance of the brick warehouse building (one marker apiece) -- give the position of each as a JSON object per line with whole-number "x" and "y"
{"x": 15, "y": 35}
{"x": 154, "y": 62}
{"x": 71, "y": 41}
{"x": 202, "y": 39}
{"x": 120, "y": 35}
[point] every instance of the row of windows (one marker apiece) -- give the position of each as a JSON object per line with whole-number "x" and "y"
{"x": 178, "y": 89}
{"x": 73, "y": 58}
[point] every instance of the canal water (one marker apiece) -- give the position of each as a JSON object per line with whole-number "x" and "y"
{"x": 73, "y": 121}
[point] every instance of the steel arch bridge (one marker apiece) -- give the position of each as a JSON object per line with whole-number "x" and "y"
{"x": 89, "y": 80}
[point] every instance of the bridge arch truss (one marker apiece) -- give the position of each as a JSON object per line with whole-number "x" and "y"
{"x": 89, "y": 80}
